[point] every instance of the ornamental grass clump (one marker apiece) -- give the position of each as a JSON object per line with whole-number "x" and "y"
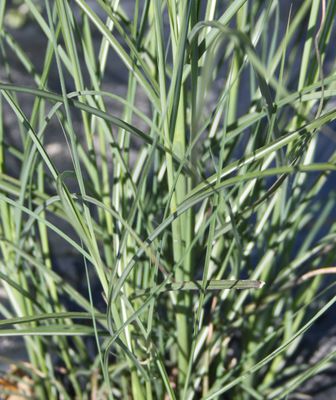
{"x": 180, "y": 242}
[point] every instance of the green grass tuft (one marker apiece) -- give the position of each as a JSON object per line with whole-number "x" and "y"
{"x": 181, "y": 244}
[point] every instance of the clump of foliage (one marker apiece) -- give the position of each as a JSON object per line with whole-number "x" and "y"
{"x": 198, "y": 203}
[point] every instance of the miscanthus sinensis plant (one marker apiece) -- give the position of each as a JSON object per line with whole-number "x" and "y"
{"x": 197, "y": 201}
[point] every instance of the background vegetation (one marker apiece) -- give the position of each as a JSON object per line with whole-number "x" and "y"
{"x": 199, "y": 201}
